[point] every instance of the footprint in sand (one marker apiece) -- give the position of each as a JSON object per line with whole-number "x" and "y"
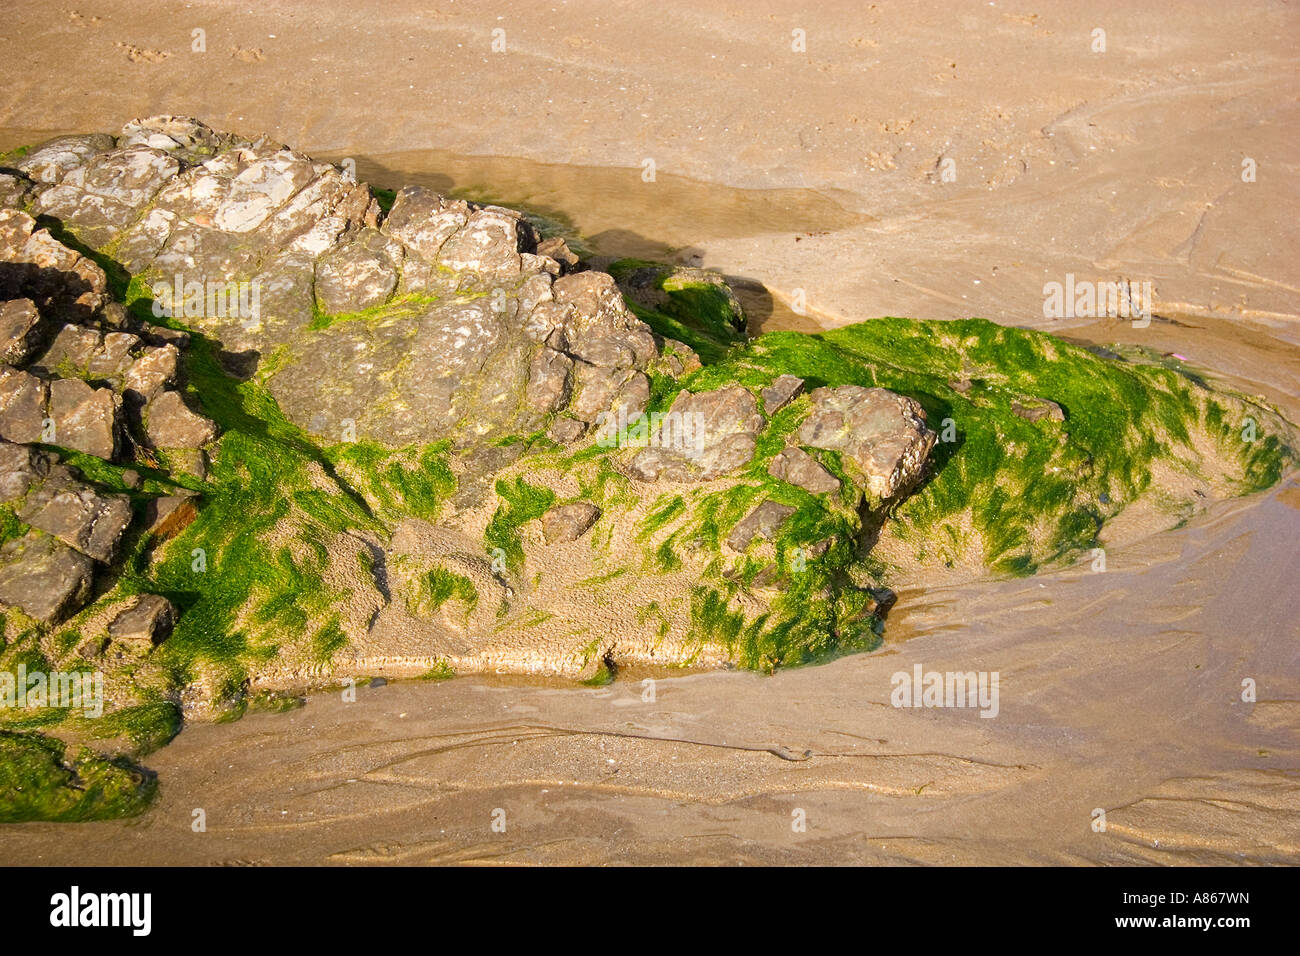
{"x": 140, "y": 55}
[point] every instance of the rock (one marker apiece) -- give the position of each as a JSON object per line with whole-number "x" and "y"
{"x": 88, "y": 353}
{"x": 146, "y": 623}
{"x": 489, "y": 243}
{"x": 377, "y": 682}
{"x": 882, "y": 433}
{"x": 711, "y": 434}
{"x": 51, "y": 161}
{"x": 1036, "y": 409}
{"x": 796, "y": 466}
{"x": 569, "y": 522}
{"x": 359, "y": 275}
{"x": 762, "y": 522}
{"x": 422, "y": 220}
{"x": 566, "y": 430}
{"x": 781, "y": 393}
{"x": 43, "y": 577}
{"x": 549, "y": 380}
{"x": 21, "y": 467}
{"x": 84, "y": 418}
{"x": 678, "y": 358}
{"x": 15, "y": 190}
{"x": 76, "y": 514}
{"x": 23, "y": 398}
{"x": 170, "y": 424}
{"x": 604, "y": 390}
{"x": 155, "y": 369}
{"x": 597, "y": 324}
{"x": 654, "y": 287}
{"x": 169, "y": 515}
{"x": 65, "y": 286}
{"x": 559, "y": 250}
{"x": 20, "y": 331}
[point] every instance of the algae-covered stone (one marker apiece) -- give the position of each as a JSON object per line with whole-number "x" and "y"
{"x": 763, "y": 522}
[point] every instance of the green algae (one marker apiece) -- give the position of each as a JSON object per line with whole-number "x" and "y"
{"x": 39, "y": 782}
{"x": 521, "y": 502}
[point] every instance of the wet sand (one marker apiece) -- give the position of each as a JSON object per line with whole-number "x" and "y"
{"x": 1118, "y": 690}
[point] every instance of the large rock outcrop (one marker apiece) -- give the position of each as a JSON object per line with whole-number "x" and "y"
{"x": 386, "y": 337}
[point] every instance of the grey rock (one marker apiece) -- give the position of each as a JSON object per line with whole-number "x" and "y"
{"x": 781, "y": 393}
{"x": 169, "y": 423}
{"x": 358, "y": 275}
{"x": 489, "y": 243}
{"x": 557, "y": 249}
{"x": 566, "y": 430}
{"x": 569, "y": 522}
{"x": 422, "y": 220}
{"x": 599, "y": 327}
{"x": 145, "y": 623}
{"x": 23, "y": 399}
{"x": 154, "y": 369}
{"x": 14, "y": 190}
{"x": 43, "y": 577}
{"x": 712, "y": 434}
{"x": 85, "y": 418}
{"x": 762, "y": 522}
{"x": 20, "y": 331}
{"x": 21, "y": 467}
{"x": 80, "y": 517}
{"x": 549, "y": 380}
{"x": 796, "y": 466}
{"x": 51, "y": 161}
{"x": 884, "y": 434}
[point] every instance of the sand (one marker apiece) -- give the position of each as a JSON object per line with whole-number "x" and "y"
{"x": 820, "y": 171}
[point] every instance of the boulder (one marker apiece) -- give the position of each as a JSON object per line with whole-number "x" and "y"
{"x": 357, "y": 275}
{"x": 709, "y": 434}
{"x": 80, "y": 517}
{"x": 143, "y": 624}
{"x": 781, "y": 393}
{"x": 880, "y": 432}
{"x": 796, "y": 466}
{"x": 23, "y": 399}
{"x": 20, "y": 331}
{"x": 763, "y": 522}
{"x": 43, "y": 577}
{"x": 84, "y": 418}
{"x": 21, "y": 467}
{"x": 169, "y": 423}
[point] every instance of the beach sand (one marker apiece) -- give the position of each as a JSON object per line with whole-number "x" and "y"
{"x": 822, "y": 172}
